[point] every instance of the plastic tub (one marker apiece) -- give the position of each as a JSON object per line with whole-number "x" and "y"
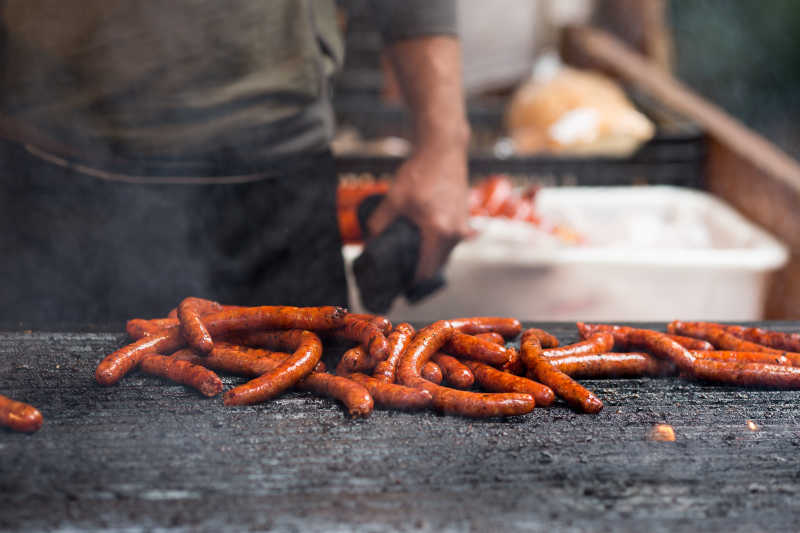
{"x": 651, "y": 253}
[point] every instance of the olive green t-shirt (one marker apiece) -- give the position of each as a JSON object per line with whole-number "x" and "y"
{"x": 182, "y": 80}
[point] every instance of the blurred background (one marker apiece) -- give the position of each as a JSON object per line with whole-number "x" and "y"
{"x": 566, "y": 131}
{"x": 745, "y": 56}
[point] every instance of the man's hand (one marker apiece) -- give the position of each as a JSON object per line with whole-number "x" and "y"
{"x": 431, "y": 187}
{"x": 431, "y": 190}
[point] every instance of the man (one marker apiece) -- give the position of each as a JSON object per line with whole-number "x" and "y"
{"x": 160, "y": 149}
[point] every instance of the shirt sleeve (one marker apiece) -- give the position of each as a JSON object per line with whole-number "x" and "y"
{"x": 406, "y": 19}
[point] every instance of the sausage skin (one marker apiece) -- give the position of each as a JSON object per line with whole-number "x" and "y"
{"x": 308, "y": 352}
{"x": 392, "y": 395}
{"x": 19, "y": 416}
{"x": 455, "y": 373}
{"x": 398, "y": 340}
{"x": 565, "y": 387}
{"x": 495, "y": 380}
{"x": 612, "y": 365}
{"x": 597, "y": 343}
{"x": 427, "y": 342}
{"x": 183, "y": 372}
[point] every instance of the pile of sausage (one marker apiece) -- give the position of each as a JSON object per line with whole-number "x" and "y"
{"x": 458, "y": 366}
{"x": 704, "y": 351}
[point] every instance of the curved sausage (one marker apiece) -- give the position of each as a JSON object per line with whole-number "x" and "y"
{"x": 620, "y": 333}
{"x": 393, "y": 396}
{"x": 492, "y": 337}
{"x": 308, "y": 352}
{"x": 183, "y": 372}
{"x": 355, "y": 359}
{"x": 245, "y": 363}
{"x": 115, "y": 365}
{"x": 141, "y": 327}
{"x": 565, "y": 387}
{"x": 495, "y": 380}
{"x": 239, "y": 360}
{"x": 398, "y": 340}
{"x": 691, "y": 343}
{"x": 427, "y": 342}
{"x": 454, "y": 372}
{"x": 546, "y": 340}
{"x": 612, "y": 365}
{"x": 190, "y": 311}
{"x": 353, "y": 395}
{"x": 382, "y": 322}
{"x": 661, "y": 346}
{"x": 744, "y": 357}
{"x": 470, "y": 347}
{"x": 19, "y": 416}
{"x": 367, "y": 334}
{"x": 747, "y": 374}
{"x": 597, "y": 343}
{"x": 507, "y": 327}
{"x": 432, "y": 372}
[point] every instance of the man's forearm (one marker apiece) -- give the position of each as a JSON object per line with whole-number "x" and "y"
{"x": 429, "y": 73}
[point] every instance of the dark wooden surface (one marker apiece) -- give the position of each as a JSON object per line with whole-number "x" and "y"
{"x": 149, "y": 455}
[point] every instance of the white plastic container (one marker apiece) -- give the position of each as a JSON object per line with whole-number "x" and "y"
{"x": 652, "y": 253}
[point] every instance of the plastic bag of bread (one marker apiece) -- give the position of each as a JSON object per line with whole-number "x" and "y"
{"x": 566, "y": 111}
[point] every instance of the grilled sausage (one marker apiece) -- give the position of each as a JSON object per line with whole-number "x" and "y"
{"x": 308, "y": 351}
{"x": 690, "y": 343}
{"x": 773, "y": 339}
{"x": 19, "y": 416}
{"x": 747, "y": 374}
{"x": 246, "y": 362}
{"x": 398, "y": 340}
{"x": 455, "y": 373}
{"x": 546, "y": 340}
{"x": 661, "y": 346}
{"x": 612, "y": 365}
{"x": 432, "y": 372}
{"x": 451, "y": 401}
{"x": 353, "y": 395}
{"x": 269, "y": 317}
{"x": 470, "y": 347}
{"x": 382, "y": 322}
{"x": 140, "y": 327}
{"x": 507, "y": 327}
{"x": 392, "y": 395}
{"x": 190, "y": 311}
{"x": 239, "y": 360}
{"x": 355, "y": 359}
{"x": 495, "y": 380}
{"x": 492, "y": 337}
{"x": 117, "y": 364}
{"x": 744, "y": 357}
{"x": 368, "y": 335}
{"x": 565, "y": 387}
{"x": 183, "y": 372}
{"x": 597, "y": 343}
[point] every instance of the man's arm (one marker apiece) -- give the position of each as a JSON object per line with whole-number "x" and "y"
{"x": 431, "y": 187}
